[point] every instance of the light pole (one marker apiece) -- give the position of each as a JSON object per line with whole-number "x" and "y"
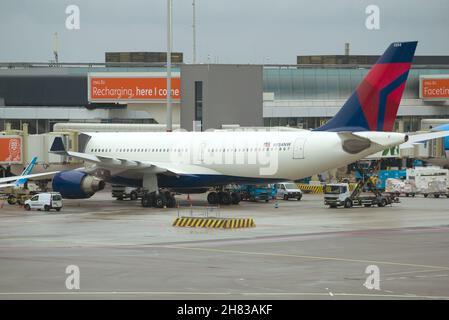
{"x": 169, "y": 48}
{"x": 194, "y": 33}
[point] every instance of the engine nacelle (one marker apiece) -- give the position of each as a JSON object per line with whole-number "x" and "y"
{"x": 74, "y": 184}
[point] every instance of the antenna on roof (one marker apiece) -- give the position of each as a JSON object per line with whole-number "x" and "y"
{"x": 55, "y": 47}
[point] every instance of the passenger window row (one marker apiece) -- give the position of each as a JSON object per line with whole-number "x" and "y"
{"x": 185, "y": 150}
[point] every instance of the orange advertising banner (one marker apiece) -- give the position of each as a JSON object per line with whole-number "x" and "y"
{"x": 434, "y": 88}
{"x": 10, "y": 149}
{"x": 139, "y": 89}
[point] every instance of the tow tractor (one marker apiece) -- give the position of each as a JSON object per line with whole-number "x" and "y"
{"x": 364, "y": 194}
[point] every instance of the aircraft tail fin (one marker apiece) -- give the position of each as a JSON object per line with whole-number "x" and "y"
{"x": 26, "y": 172}
{"x": 373, "y": 106}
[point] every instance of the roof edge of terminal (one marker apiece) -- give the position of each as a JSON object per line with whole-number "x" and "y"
{"x": 31, "y": 65}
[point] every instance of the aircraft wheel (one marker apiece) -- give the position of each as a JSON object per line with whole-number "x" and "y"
{"x": 171, "y": 201}
{"x": 212, "y": 198}
{"x": 160, "y": 201}
{"x": 225, "y": 198}
{"x": 235, "y": 198}
{"x": 147, "y": 200}
{"x": 12, "y": 200}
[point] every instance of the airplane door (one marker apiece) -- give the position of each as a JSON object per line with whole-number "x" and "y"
{"x": 298, "y": 148}
{"x": 201, "y": 152}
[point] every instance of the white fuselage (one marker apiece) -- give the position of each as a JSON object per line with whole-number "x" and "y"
{"x": 271, "y": 155}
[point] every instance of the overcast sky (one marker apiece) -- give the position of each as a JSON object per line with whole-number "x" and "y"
{"x": 239, "y": 31}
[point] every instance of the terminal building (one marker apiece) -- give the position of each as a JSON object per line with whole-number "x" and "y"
{"x": 301, "y": 96}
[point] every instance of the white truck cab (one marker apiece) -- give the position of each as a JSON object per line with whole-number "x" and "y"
{"x": 337, "y": 194}
{"x": 44, "y": 201}
{"x": 287, "y": 190}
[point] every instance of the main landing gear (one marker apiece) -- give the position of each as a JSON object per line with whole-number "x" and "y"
{"x": 223, "y": 197}
{"x": 158, "y": 200}
{"x": 153, "y": 196}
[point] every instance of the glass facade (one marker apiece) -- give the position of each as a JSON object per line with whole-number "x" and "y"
{"x": 321, "y": 83}
{"x": 328, "y": 83}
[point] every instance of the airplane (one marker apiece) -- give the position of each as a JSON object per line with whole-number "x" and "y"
{"x": 21, "y": 179}
{"x": 194, "y": 162}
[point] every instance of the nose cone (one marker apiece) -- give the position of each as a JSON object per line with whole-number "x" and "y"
{"x": 385, "y": 139}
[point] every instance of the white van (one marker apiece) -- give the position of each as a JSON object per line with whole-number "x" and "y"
{"x": 287, "y": 190}
{"x": 45, "y": 201}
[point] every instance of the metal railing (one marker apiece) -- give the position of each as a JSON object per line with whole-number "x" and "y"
{"x": 199, "y": 211}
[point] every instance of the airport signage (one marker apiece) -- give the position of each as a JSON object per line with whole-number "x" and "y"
{"x": 132, "y": 87}
{"x": 434, "y": 87}
{"x": 10, "y": 149}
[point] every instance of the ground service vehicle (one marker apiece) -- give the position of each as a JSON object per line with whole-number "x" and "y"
{"x": 428, "y": 181}
{"x": 45, "y": 201}
{"x": 122, "y": 192}
{"x": 339, "y": 194}
{"x": 288, "y": 190}
{"x": 257, "y": 192}
{"x": 432, "y": 181}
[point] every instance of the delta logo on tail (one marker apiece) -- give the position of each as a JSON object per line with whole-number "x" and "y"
{"x": 373, "y": 106}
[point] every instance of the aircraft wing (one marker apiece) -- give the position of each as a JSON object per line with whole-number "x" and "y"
{"x": 144, "y": 166}
{"x": 33, "y": 176}
{"x": 172, "y": 168}
{"x": 394, "y": 152}
{"x": 3, "y": 186}
{"x": 423, "y": 137}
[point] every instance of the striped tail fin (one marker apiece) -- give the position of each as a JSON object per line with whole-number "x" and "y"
{"x": 373, "y": 106}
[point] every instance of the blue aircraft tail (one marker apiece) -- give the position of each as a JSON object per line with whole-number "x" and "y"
{"x": 373, "y": 106}
{"x": 26, "y": 172}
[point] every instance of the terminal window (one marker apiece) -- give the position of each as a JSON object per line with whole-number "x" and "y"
{"x": 198, "y": 100}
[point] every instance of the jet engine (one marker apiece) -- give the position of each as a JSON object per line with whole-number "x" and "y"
{"x": 74, "y": 184}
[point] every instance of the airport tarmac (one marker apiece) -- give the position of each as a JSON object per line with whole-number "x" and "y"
{"x": 301, "y": 250}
